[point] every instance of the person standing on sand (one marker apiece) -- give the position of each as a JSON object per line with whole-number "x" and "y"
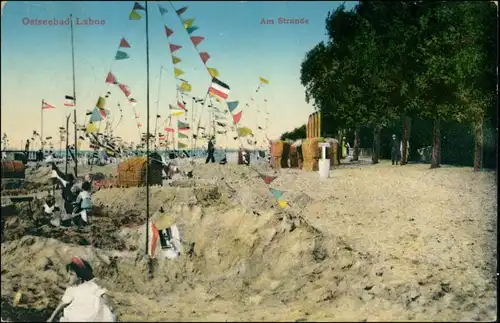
{"x": 211, "y": 151}
{"x": 395, "y": 155}
{"x": 86, "y": 301}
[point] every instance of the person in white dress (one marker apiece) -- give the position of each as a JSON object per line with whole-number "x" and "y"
{"x": 86, "y": 301}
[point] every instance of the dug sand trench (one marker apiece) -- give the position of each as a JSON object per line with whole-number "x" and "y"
{"x": 344, "y": 254}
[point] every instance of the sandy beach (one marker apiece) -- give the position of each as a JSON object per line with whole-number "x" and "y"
{"x": 370, "y": 243}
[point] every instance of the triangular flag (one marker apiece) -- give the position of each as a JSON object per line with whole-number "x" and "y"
{"x": 276, "y": 193}
{"x": 100, "y": 103}
{"x": 137, "y": 6}
{"x": 232, "y": 105}
{"x": 204, "y": 57}
{"x": 173, "y": 47}
{"x": 124, "y": 43}
{"x": 181, "y": 135}
{"x": 237, "y": 117}
{"x": 180, "y": 105}
{"x": 96, "y": 115}
{"x": 282, "y": 203}
{"x": 121, "y": 55}
{"x": 178, "y": 72}
{"x": 176, "y": 60}
{"x": 169, "y": 129}
{"x": 182, "y": 125}
{"x": 134, "y": 15}
{"x": 181, "y": 10}
{"x": 182, "y": 145}
{"x": 267, "y": 179}
{"x": 110, "y": 78}
{"x": 125, "y": 89}
{"x": 192, "y": 29}
{"x": 168, "y": 31}
{"x": 163, "y": 11}
{"x": 186, "y": 87}
{"x": 213, "y": 72}
{"x": 176, "y": 113}
{"x": 139, "y": 124}
{"x": 92, "y": 128}
{"x": 197, "y": 40}
{"x": 188, "y": 23}
{"x": 263, "y": 80}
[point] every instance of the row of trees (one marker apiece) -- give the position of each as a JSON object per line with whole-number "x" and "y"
{"x": 417, "y": 59}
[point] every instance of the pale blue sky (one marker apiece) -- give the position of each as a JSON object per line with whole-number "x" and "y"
{"x": 36, "y": 60}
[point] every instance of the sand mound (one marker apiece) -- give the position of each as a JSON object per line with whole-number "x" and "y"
{"x": 374, "y": 243}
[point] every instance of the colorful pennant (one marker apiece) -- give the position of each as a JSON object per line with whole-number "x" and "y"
{"x": 197, "y": 40}
{"x": 276, "y": 193}
{"x": 192, "y": 29}
{"x": 168, "y": 31}
{"x": 263, "y": 80}
{"x": 124, "y": 43}
{"x": 181, "y": 10}
{"x": 213, "y": 72}
{"x": 125, "y": 89}
{"x": 182, "y": 125}
{"x": 100, "y": 103}
{"x": 282, "y": 203}
{"x": 163, "y": 11}
{"x": 121, "y": 55}
{"x": 111, "y": 79}
{"x": 188, "y": 23}
{"x": 232, "y": 105}
{"x": 174, "y": 48}
{"x": 169, "y": 129}
{"x": 138, "y": 6}
{"x": 204, "y": 57}
{"x": 92, "y": 128}
{"x": 134, "y": 15}
{"x": 237, "y": 117}
{"x": 185, "y": 87}
{"x": 176, "y": 60}
{"x": 96, "y": 115}
{"x": 180, "y": 135}
{"x": 267, "y": 179}
{"x": 178, "y": 72}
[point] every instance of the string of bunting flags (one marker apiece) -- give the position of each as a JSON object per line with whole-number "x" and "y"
{"x": 183, "y": 87}
{"x": 221, "y": 90}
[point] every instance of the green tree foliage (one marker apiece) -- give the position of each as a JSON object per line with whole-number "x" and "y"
{"x": 295, "y": 134}
{"x": 387, "y": 60}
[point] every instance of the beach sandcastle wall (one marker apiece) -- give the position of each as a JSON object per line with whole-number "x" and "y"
{"x": 132, "y": 173}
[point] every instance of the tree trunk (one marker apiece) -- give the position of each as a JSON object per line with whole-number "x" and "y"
{"x": 406, "y": 140}
{"x": 376, "y": 144}
{"x": 436, "y": 158}
{"x": 478, "y": 145}
{"x": 355, "y": 153}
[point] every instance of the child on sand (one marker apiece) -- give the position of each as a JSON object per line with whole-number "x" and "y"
{"x": 86, "y": 301}
{"x": 83, "y": 203}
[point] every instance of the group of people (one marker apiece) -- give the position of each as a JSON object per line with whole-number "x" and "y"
{"x": 76, "y": 197}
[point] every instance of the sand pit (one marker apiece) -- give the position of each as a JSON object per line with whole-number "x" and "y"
{"x": 371, "y": 243}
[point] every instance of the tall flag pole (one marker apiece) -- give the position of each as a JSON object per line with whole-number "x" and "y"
{"x": 74, "y": 96}
{"x": 147, "y": 139}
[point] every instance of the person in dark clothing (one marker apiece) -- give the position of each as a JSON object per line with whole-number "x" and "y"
{"x": 210, "y": 151}
{"x": 395, "y": 153}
